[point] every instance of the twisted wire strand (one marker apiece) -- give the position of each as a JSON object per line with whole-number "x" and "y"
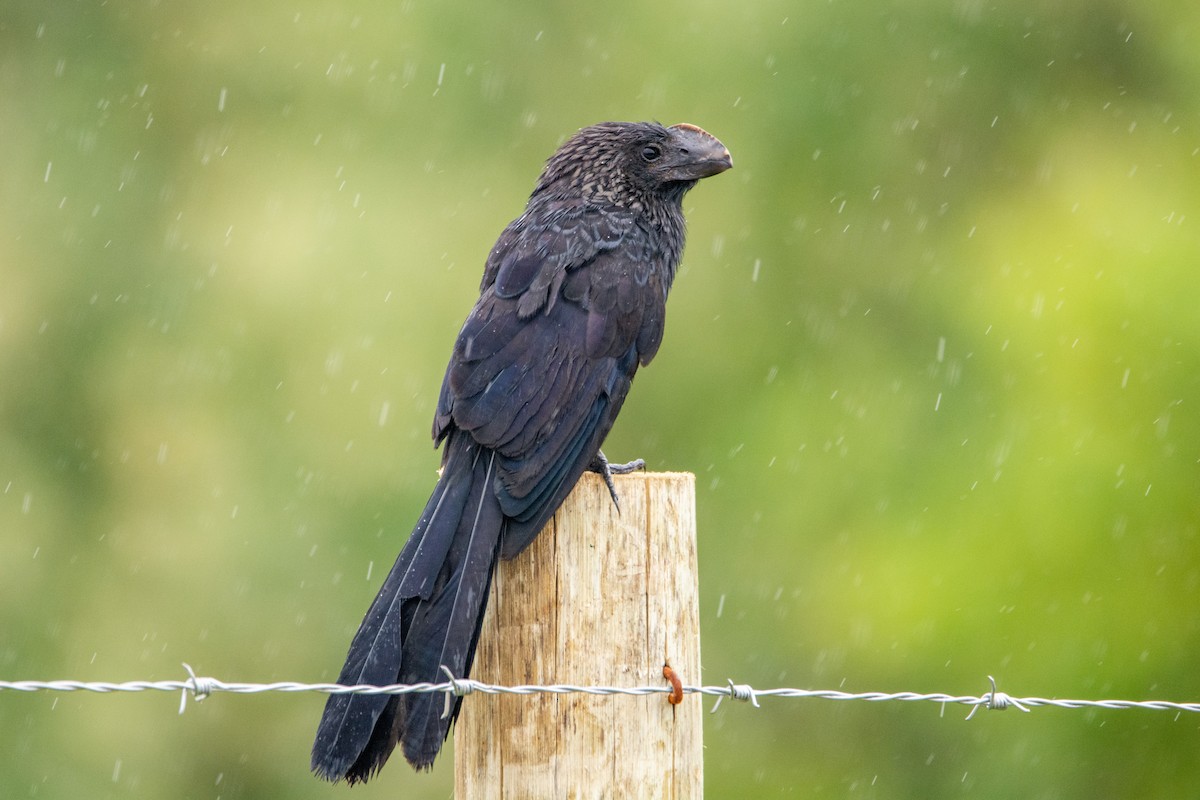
{"x": 199, "y": 688}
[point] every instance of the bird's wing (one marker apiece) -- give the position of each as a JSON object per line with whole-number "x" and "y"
{"x": 570, "y": 307}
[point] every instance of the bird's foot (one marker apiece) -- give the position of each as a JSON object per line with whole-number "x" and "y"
{"x": 604, "y": 469}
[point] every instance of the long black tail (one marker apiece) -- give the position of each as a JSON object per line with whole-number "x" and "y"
{"x": 426, "y": 615}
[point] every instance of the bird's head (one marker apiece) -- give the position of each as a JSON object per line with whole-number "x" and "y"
{"x": 628, "y": 162}
{"x": 686, "y": 153}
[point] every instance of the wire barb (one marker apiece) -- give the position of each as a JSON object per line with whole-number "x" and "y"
{"x": 738, "y": 691}
{"x": 458, "y": 688}
{"x": 200, "y": 688}
{"x": 996, "y": 701}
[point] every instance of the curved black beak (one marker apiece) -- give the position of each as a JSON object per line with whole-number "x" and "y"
{"x": 700, "y": 154}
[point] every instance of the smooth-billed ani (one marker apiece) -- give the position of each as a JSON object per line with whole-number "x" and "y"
{"x": 572, "y": 302}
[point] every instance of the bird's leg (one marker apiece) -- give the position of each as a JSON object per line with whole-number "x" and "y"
{"x": 606, "y": 470}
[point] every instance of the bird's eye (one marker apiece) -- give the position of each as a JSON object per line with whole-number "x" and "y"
{"x": 651, "y": 152}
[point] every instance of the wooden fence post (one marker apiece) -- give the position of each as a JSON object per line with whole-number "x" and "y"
{"x": 599, "y": 598}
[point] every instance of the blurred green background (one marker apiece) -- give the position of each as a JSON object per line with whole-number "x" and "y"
{"x": 934, "y": 356}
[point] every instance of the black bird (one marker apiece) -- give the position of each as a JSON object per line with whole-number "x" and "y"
{"x": 572, "y": 301}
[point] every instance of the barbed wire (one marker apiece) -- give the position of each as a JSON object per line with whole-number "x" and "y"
{"x": 199, "y": 688}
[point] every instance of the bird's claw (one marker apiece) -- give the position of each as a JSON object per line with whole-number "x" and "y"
{"x": 604, "y": 469}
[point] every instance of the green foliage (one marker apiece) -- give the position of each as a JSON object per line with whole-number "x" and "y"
{"x": 934, "y": 355}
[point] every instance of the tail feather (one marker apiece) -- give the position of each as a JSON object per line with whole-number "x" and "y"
{"x": 427, "y": 614}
